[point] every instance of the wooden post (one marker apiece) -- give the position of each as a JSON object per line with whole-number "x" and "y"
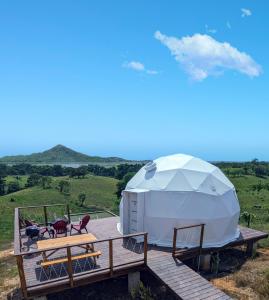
{"x": 201, "y": 245}
{"x": 22, "y": 276}
{"x": 174, "y": 241}
{"x": 111, "y": 256}
{"x": 68, "y": 213}
{"x": 45, "y": 215}
{"x": 69, "y": 267}
{"x": 202, "y": 235}
{"x": 145, "y": 248}
{"x": 249, "y": 250}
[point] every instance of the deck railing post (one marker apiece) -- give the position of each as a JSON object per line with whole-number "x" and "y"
{"x": 202, "y": 235}
{"x": 22, "y": 275}
{"x": 174, "y": 241}
{"x": 18, "y": 220}
{"x": 68, "y": 213}
{"x": 145, "y": 248}
{"x": 201, "y": 245}
{"x": 111, "y": 256}
{"x": 69, "y": 267}
{"x": 45, "y": 215}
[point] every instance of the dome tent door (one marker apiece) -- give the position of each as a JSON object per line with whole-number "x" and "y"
{"x": 133, "y": 211}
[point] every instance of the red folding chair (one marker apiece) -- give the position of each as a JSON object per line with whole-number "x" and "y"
{"x": 82, "y": 225}
{"x": 60, "y": 227}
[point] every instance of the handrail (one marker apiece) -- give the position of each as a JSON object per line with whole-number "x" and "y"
{"x": 81, "y": 244}
{"x": 37, "y": 206}
{"x": 202, "y": 225}
{"x": 190, "y": 226}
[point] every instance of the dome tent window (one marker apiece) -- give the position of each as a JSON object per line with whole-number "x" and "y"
{"x": 180, "y": 190}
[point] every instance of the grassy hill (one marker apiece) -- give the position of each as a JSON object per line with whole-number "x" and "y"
{"x": 58, "y": 155}
{"x": 100, "y": 194}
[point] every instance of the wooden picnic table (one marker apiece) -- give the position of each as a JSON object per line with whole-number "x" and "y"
{"x": 88, "y": 239}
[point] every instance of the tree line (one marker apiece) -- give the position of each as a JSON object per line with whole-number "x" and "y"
{"x": 42, "y": 174}
{"x": 236, "y": 169}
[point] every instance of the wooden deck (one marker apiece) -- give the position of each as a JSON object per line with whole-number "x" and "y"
{"x": 183, "y": 281}
{"x": 128, "y": 255}
{"x": 125, "y": 252}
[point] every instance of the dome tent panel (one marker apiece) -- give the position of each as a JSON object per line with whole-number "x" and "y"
{"x": 181, "y": 190}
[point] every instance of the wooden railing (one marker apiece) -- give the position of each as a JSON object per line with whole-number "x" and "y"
{"x": 44, "y": 211}
{"x": 177, "y": 253}
{"x": 110, "y": 264}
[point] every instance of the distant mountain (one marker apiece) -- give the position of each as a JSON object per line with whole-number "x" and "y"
{"x": 59, "y": 155}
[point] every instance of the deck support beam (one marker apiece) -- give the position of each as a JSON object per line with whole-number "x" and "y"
{"x": 251, "y": 248}
{"x": 205, "y": 260}
{"x": 133, "y": 281}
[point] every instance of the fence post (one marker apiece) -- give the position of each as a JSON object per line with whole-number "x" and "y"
{"x": 145, "y": 248}
{"x": 45, "y": 215}
{"x": 69, "y": 267}
{"x": 22, "y": 275}
{"x": 68, "y": 213}
{"x": 111, "y": 256}
{"x": 174, "y": 241}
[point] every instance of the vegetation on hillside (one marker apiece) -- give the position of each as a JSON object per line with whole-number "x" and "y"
{"x": 41, "y": 174}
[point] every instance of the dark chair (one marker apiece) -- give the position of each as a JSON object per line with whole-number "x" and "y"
{"x": 82, "y": 224}
{"x": 26, "y": 224}
{"x": 60, "y": 227}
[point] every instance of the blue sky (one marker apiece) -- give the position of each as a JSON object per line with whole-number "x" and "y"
{"x": 136, "y": 79}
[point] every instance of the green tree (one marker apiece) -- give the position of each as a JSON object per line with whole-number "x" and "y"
{"x": 2, "y": 186}
{"x": 64, "y": 186}
{"x": 3, "y": 170}
{"x": 46, "y": 182}
{"x": 33, "y": 179}
{"x": 79, "y": 172}
{"x": 82, "y": 198}
{"x": 122, "y": 183}
{"x": 13, "y": 186}
{"x": 260, "y": 171}
{"x": 248, "y": 217}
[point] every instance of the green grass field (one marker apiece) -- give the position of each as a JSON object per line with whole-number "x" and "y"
{"x": 254, "y": 202}
{"x": 100, "y": 194}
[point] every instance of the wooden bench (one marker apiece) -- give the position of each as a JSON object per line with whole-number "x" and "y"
{"x": 64, "y": 260}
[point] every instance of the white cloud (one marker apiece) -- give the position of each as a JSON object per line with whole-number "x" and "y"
{"x": 245, "y": 12}
{"x": 228, "y": 24}
{"x": 210, "y": 30}
{"x": 135, "y": 65}
{"x": 152, "y": 72}
{"x": 201, "y": 56}
{"x": 138, "y": 66}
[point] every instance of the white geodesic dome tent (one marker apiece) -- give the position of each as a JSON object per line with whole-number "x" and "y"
{"x": 179, "y": 190}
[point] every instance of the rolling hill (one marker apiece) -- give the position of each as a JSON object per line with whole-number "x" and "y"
{"x": 59, "y": 155}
